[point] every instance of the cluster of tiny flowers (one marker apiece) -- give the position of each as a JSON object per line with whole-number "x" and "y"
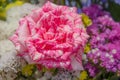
{"x": 91, "y": 69}
{"x": 94, "y": 11}
{"x": 104, "y": 41}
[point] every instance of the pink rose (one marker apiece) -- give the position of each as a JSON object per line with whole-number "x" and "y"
{"x": 53, "y": 36}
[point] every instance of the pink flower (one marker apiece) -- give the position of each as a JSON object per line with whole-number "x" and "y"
{"x": 53, "y": 36}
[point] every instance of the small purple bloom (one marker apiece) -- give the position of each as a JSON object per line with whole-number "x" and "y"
{"x": 117, "y": 1}
{"x": 104, "y": 40}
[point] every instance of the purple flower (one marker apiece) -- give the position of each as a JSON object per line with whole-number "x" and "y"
{"x": 117, "y": 1}
{"x": 104, "y": 1}
{"x": 94, "y": 11}
{"x": 86, "y": 2}
{"x": 91, "y": 69}
{"x": 79, "y": 10}
{"x": 104, "y": 40}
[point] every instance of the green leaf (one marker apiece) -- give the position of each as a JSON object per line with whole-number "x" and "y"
{"x": 63, "y": 2}
{"x": 114, "y": 9}
{"x": 2, "y": 14}
{"x": 115, "y": 77}
{"x": 28, "y": 70}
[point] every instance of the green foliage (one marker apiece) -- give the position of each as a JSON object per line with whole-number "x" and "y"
{"x": 28, "y": 70}
{"x": 115, "y": 77}
{"x": 2, "y": 13}
{"x": 114, "y": 9}
{"x": 103, "y": 74}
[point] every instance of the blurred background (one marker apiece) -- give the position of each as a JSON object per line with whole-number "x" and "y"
{"x": 113, "y": 6}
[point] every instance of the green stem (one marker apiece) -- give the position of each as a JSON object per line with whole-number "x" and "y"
{"x": 63, "y": 2}
{"x": 55, "y": 1}
{"x": 95, "y": 78}
{"x": 69, "y": 2}
{"x": 79, "y": 3}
